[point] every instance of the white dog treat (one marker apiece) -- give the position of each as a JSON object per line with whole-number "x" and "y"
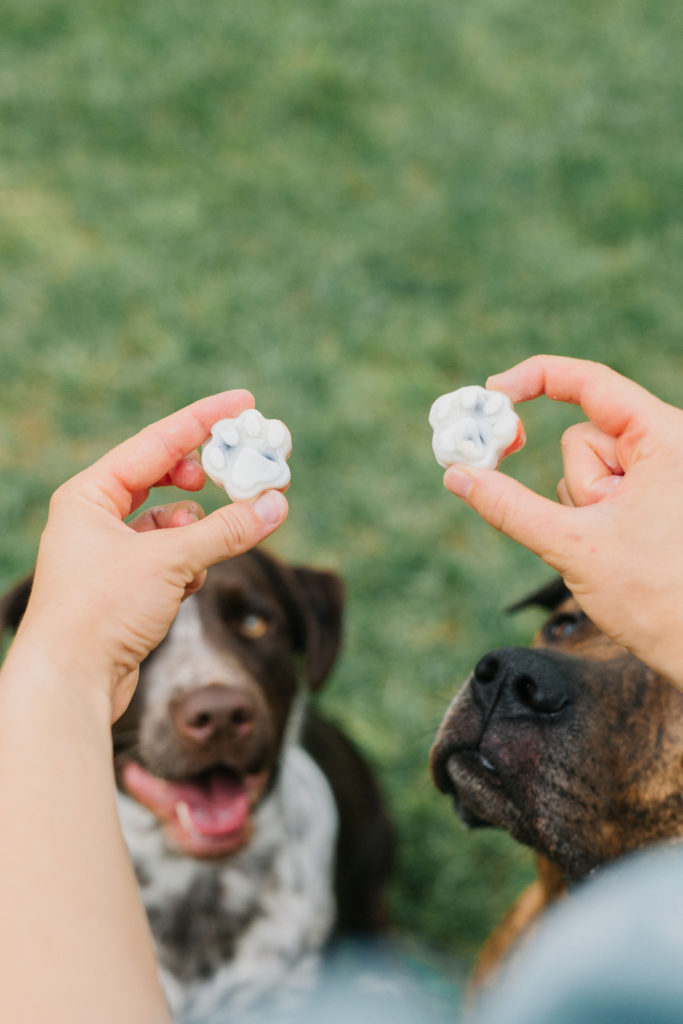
{"x": 248, "y": 454}
{"x": 475, "y": 427}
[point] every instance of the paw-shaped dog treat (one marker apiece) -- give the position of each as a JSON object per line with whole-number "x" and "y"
{"x": 475, "y": 427}
{"x": 248, "y": 454}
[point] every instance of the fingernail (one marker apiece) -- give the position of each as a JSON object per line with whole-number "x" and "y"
{"x": 270, "y": 507}
{"x": 185, "y": 516}
{"x": 459, "y": 482}
{"x": 609, "y": 483}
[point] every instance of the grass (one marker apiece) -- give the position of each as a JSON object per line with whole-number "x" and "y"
{"x": 350, "y": 208}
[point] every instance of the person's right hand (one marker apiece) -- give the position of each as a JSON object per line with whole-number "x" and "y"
{"x": 616, "y": 536}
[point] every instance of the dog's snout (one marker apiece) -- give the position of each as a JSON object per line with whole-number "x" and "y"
{"x": 521, "y": 681}
{"x": 214, "y": 713}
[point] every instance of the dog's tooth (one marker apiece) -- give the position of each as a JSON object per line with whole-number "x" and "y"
{"x": 184, "y": 816}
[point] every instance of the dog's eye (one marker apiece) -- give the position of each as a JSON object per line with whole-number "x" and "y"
{"x": 253, "y": 626}
{"x": 563, "y": 626}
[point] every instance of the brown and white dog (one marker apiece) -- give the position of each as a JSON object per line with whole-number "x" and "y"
{"x": 255, "y": 827}
{"x": 574, "y": 746}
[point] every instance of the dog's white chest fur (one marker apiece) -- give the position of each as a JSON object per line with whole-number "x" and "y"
{"x": 232, "y": 933}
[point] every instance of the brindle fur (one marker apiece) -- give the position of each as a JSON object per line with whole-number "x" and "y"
{"x": 575, "y": 747}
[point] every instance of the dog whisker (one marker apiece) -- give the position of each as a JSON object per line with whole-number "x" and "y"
{"x": 124, "y": 736}
{"x": 133, "y": 750}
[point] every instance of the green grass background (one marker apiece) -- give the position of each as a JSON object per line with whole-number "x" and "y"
{"x": 349, "y": 206}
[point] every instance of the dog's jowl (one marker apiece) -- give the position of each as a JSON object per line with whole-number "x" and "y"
{"x": 255, "y": 828}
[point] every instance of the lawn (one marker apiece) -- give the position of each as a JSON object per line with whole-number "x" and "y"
{"x": 349, "y": 207}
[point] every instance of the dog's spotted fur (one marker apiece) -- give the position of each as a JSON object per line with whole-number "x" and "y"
{"x": 233, "y": 934}
{"x": 244, "y": 928}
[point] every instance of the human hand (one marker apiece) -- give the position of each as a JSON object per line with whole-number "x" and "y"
{"x": 105, "y": 592}
{"x": 615, "y": 536}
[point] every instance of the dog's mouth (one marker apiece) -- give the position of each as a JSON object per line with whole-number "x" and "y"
{"x": 475, "y": 785}
{"x": 207, "y": 815}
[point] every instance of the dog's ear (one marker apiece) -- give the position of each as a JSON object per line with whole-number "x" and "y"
{"x": 551, "y": 596}
{"x": 314, "y": 601}
{"x": 13, "y": 605}
{"x": 323, "y": 602}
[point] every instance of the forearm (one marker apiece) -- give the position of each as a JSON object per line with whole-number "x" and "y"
{"x": 74, "y": 940}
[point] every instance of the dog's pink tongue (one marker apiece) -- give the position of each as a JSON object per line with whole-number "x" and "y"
{"x": 216, "y": 807}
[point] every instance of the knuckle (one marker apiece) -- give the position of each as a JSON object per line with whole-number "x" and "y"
{"x": 498, "y": 511}
{"x": 573, "y": 434}
{"x": 59, "y": 498}
{"x": 234, "y": 529}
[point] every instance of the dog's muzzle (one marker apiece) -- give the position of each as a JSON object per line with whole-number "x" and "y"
{"x": 510, "y": 687}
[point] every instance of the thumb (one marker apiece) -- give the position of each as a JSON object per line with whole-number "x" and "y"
{"x": 537, "y": 523}
{"x": 230, "y": 530}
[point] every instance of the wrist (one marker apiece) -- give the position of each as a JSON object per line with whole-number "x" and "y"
{"x": 62, "y": 837}
{"x": 40, "y": 670}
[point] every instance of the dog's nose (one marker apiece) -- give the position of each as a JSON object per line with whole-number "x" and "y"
{"x": 214, "y": 712}
{"x": 521, "y": 681}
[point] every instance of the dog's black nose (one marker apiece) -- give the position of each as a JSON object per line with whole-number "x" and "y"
{"x": 487, "y": 669}
{"x": 521, "y": 681}
{"x": 213, "y": 713}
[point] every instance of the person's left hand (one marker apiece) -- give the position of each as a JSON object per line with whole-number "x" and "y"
{"x": 105, "y": 591}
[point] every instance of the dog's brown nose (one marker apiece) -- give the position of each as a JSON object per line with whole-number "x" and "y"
{"x": 212, "y": 713}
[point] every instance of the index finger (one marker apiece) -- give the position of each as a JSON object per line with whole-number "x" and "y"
{"x": 610, "y": 400}
{"x": 149, "y": 455}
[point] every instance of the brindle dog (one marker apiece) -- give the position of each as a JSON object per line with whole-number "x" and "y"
{"x": 574, "y": 746}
